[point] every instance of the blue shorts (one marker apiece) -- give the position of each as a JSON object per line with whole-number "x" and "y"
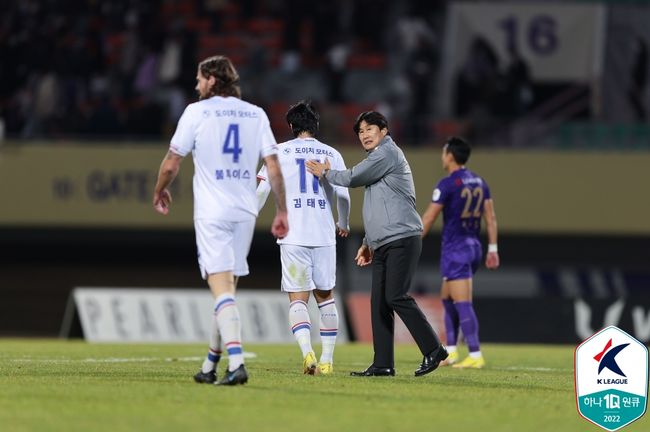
{"x": 460, "y": 261}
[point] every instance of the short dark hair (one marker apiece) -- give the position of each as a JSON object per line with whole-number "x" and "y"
{"x": 372, "y": 118}
{"x": 227, "y": 78}
{"x": 459, "y": 148}
{"x": 303, "y": 117}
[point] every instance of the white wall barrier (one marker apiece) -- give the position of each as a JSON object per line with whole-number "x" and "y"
{"x": 182, "y": 315}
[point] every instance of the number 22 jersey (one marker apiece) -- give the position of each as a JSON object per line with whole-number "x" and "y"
{"x": 462, "y": 195}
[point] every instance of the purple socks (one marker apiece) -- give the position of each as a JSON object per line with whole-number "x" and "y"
{"x": 451, "y": 322}
{"x": 468, "y": 323}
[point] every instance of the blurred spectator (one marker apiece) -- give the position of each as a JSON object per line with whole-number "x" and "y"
{"x": 118, "y": 68}
{"x": 518, "y": 86}
{"x": 637, "y": 92}
{"x": 335, "y": 68}
{"x": 420, "y": 70}
{"x": 478, "y": 88}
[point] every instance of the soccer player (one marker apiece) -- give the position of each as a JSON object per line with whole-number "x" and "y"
{"x": 308, "y": 252}
{"x": 463, "y": 198}
{"x": 227, "y": 137}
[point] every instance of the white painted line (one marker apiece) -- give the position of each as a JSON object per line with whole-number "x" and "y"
{"x": 248, "y": 355}
{"x": 533, "y": 369}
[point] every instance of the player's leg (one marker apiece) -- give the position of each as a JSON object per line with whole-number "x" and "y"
{"x": 324, "y": 276}
{"x": 461, "y": 293}
{"x": 227, "y": 316}
{"x": 208, "y": 235}
{"x": 452, "y": 325}
{"x": 329, "y": 327}
{"x": 297, "y": 282}
{"x": 232, "y": 255}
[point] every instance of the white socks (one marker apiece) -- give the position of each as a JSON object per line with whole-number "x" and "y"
{"x": 214, "y": 351}
{"x": 300, "y": 325}
{"x": 329, "y": 326}
{"x": 227, "y": 318}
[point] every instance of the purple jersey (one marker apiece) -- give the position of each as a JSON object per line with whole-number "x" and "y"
{"x": 462, "y": 195}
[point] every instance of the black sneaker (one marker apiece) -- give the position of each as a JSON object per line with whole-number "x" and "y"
{"x": 238, "y": 376}
{"x": 206, "y": 378}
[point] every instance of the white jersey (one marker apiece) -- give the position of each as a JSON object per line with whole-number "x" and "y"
{"x": 309, "y": 209}
{"x": 227, "y": 137}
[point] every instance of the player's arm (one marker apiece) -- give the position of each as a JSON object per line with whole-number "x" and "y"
{"x": 280, "y": 226}
{"x": 429, "y": 217}
{"x": 343, "y": 210}
{"x": 492, "y": 259}
{"x": 263, "y": 190}
{"x": 168, "y": 171}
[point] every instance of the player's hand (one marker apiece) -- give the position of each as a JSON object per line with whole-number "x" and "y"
{"x": 280, "y": 226}
{"x": 492, "y": 260}
{"x": 162, "y": 201}
{"x": 342, "y": 232}
{"x": 364, "y": 256}
{"x": 317, "y": 168}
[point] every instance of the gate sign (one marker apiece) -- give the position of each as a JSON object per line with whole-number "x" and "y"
{"x": 611, "y": 372}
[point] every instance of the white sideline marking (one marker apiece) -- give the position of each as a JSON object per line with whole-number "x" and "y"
{"x": 248, "y": 355}
{"x": 533, "y": 369}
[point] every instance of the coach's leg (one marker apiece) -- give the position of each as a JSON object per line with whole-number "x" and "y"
{"x": 382, "y": 316}
{"x": 401, "y": 261}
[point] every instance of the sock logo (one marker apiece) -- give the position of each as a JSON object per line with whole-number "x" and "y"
{"x": 609, "y": 358}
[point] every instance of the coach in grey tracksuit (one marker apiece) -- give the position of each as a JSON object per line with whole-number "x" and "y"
{"x": 392, "y": 242}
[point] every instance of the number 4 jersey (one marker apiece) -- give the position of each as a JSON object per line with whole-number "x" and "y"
{"x": 462, "y": 195}
{"x": 227, "y": 137}
{"x": 309, "y": 201}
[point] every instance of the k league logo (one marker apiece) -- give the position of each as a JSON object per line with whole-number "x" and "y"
{"x": 611, "y": 375}
{"x": 607, "y": 359}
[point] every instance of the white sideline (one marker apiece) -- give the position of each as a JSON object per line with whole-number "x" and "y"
{"x": 248, "y": 355}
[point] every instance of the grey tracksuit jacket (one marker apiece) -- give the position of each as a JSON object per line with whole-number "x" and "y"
{"x": 389, "y": 211}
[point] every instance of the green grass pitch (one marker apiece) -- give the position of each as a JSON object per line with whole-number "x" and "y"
{"x": 56, "y": 385}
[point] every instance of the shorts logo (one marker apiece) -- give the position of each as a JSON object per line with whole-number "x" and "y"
{"x": 611, "y": 378}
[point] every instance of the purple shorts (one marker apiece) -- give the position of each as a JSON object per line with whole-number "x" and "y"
{"x": 460, "y": 261}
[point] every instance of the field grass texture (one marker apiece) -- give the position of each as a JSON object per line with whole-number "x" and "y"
{"x": 52, "y": 385}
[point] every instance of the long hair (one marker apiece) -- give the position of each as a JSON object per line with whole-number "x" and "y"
{"x": 227, "y": 78}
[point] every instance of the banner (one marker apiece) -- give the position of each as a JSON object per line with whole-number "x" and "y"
{"x": 359, "y": 309}
{"x": 559, "y": 320}
{"x": 558, "y": 41}
{"x": 551, "y": 320}
{"x": 95, "y": 186}
{"x": 183, "y": 315}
